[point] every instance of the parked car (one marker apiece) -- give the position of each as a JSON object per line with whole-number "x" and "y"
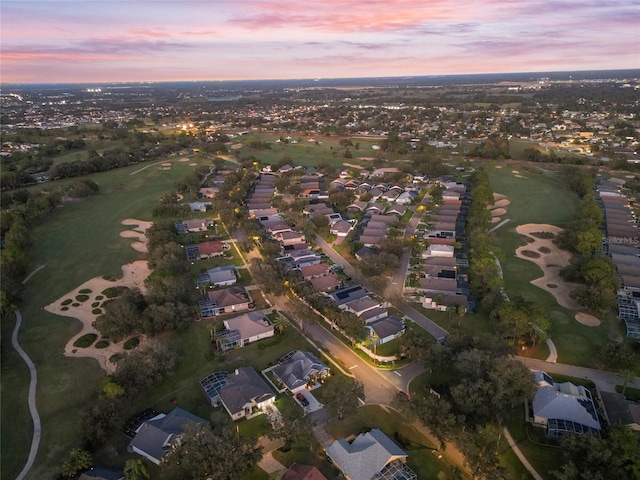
{"x": 302, "y": 400}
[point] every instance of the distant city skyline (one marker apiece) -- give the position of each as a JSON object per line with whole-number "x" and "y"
{"x": 57, "y": 41}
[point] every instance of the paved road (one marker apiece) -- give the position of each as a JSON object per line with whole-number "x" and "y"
{"x": 430, "y": 326}
{"x": 37, "y": 429}
{"x": 605, "y": 381}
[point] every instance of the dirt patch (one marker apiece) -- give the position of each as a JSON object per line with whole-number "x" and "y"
{"x": 550, "y": 264}
{"x": 587, "y": 320}
{"x": 351, "y": 165}
{"x": 544, "y": 250}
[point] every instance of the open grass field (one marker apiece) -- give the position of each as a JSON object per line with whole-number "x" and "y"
{"x": 77, "y": 242}
{"x": 308, "y": 153}
{"x": 542, "y": 198}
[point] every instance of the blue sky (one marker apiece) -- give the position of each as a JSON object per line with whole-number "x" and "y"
{"x": 159, "y": 40}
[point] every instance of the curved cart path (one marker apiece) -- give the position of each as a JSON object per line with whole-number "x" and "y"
{"x": 35, "y": 441}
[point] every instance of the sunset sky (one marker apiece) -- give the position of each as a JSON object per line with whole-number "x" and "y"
{"x": 158, "y": 40}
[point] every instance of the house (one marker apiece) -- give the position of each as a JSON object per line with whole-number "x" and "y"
{"x": 298, "y": 368}
{"x": 326, "y": 283}
{"x": 405, "y": 198}
{"x": 314, "y": 271}
{"x": 302, "y": 472}
{"x": 208, "y": 192}
{"x": 243, "y": 330}
{"x": 385, "y": 329}
{"x": 243, "y": 393}
{"x": 376, "y": 208}
{"x": 438, "y": 285}
{"x": 621, "y": 411}
{"x": 397, "y": 210}
{"x": 218, "y": 277}
{"x": 361, "y": 305}
{"x": 290, "y": 238}
{"x": 346, "y": 295}
{"x": 563, "y": 408}
{"x": 303, "y": 258}
{"x": 206, "y": 250}
{"x": 342, "y": 227}
{"x": 227, "y": 300}
{"x": 194, "y": 225}
{"x": 438, "y": 251}
{"x": 357, "y": 207}
{"x": 363, "y": 252}
{"x": 373, "y": 314}
{"x": 157, "y": 436}
{"x": 372, "y": 455}
{"x": 200, "y": 206}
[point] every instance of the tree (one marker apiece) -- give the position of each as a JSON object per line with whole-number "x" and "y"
{"x": 479, "y": 449}
{"x": 614, "y": 455}
{"x": 136, "y": 469}
{"x": 627, "y": 375}
{"x": 215, "y": 451}
{"x": 345, "y": 395}
{"x": 77, "y": 461}
{"x": 292, "y": 427}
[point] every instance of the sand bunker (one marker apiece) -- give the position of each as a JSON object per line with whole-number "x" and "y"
{"x": 517, "y": 176}
{"x": 166, "y": 164}
{"x": 499, "y": 166}
{"x": 193, "y": 164}
{"x": 498, "y": 196}
{"x": 366, "y": 159}
{"x": 503, "y": 202}
{"x": 495, "y": 219}
{"x": 587, "y": 320}
{"x": 133, "y": 276}
{"x": 164, "y": 168}
{"x": 138, "y": 232}
{"x": 515, "y": 171}
{"x": 351, "y": 165}
{"x": 184, "y": 159}
{"x": 496, "y": 212}
{"x": 550, "y": 263}
{"x": 236, "y": 146}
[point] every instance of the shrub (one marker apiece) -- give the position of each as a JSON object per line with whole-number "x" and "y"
{"x": 99, "y": 297}
{"x": 113, "y": 292}
{"x": 75, "y": 304}
{"x": 85, "y": 340}
{"x": 85, "y": 290}
{"x": 132, "y": 343}
{"x": 82, "y": 298}
{"x": 95, "y": 304}
{"x": 102, "y": 344}
{"x": 116, "y": 357}
{"x": 64, "y": 309}
{"x": 97, "y": 311}
{"x": 66, "y": 302}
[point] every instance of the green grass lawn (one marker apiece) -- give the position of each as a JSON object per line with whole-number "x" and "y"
{"x": 308, "y": 153}
{"x": 539, "y": 198}
{"x": 79, "y": 241}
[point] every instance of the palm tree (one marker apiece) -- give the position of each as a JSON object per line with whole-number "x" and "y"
{"x": 136, "y": 469}
{"x": 627, "y": 375}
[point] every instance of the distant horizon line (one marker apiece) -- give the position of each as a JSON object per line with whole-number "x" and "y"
{"x": 593, "y": 73}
